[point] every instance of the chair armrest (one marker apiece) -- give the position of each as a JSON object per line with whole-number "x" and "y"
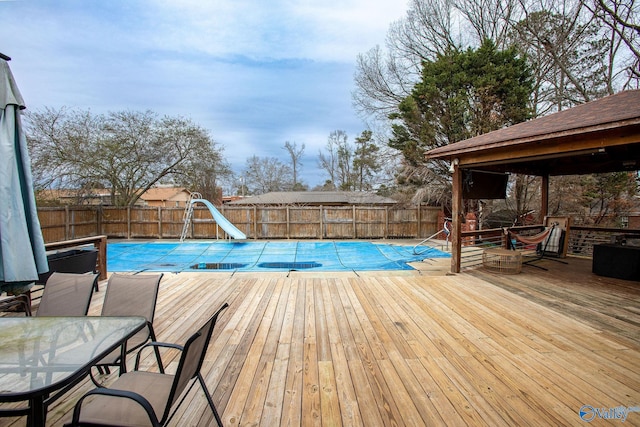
{"x": 164, "y": 344}
{"x": 138, "y": 398}
{"x": 155, "y": 344}
{"x": 16, "y": 301}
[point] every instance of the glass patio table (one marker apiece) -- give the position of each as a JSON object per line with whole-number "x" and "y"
{"x": 43, "y": 357}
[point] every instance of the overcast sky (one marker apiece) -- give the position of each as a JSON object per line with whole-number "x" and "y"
{"x": 255, "y": 73}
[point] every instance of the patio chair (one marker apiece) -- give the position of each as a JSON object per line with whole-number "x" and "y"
{"x": 130, "y": 295}
{"x": 67, "y": 294}
{"x": 143, "y": 398}
{"x": 16, "y": 303}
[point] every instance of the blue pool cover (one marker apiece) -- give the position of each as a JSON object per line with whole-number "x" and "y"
{"x": 264, "y": 256}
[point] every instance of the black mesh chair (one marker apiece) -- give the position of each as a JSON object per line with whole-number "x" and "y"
{"x": 144, "y": 398}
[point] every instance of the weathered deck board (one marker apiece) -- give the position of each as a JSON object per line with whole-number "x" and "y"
{"x": 470, "y": 349}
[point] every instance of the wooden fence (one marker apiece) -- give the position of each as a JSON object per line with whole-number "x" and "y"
{"x": 282, "y": 222}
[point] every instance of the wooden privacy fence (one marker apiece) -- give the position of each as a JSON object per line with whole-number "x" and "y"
{"x": 281, "y": 222}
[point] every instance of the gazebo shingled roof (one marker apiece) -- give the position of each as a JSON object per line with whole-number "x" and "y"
{"x": 599, "y": 136}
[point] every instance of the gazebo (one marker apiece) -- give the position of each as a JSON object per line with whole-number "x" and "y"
{"x": 596, "y": 137}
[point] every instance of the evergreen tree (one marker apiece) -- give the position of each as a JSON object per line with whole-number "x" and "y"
{"x": 462, "y": 94}
{"x": 365, "y": 162}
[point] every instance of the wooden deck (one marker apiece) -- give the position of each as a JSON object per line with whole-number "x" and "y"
{"x": 405, "y": 349}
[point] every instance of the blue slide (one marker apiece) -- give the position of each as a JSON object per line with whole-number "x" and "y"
{"x": 223, "y": 222}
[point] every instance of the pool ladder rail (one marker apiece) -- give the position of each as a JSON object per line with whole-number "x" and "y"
{"x": 187, "y": 216}
{"x": 445, "y": 230}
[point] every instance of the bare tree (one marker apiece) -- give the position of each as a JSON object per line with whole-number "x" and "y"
{"x": 328, "y": 160}
{"x": 380, "y": 86}
{"x": 580, "y": 50}
{"x": 384, "y": 77}
{"x": 337, "y": 160}
{"x": 426, "y": 32}
{"x": 490, "y": 19}
{"x": 345, "y": 176}
{"x": 266, "y": 174}
{"x": 622, "y": 18}
{"x": 205, "y": 173}
{"x": 126, "y": 152}
{"x": 296, "y": 154}
{"x": 431, "y": 28}
{"x": 566, "y": 38}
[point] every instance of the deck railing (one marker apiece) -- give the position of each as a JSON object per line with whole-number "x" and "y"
{"x": 581, "y": 240}
{"x": 98, "y": 242}
{"x": 475, "y": 242}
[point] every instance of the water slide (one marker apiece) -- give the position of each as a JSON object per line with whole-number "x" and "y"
{"x": 223, "y": 222}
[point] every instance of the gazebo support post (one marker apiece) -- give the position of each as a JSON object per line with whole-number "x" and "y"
{"x": 544, "y": 196}
{"x": 457, "y": 216}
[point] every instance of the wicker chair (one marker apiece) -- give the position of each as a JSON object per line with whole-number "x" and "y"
{"x": 143, "y": 398}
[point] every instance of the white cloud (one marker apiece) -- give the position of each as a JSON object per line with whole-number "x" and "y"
{"x": 255, "y": 73}
{"x": 324, "y": 31}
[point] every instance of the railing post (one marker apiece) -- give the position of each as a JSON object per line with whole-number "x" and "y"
{"x": 456, "y": 226}
{"x": 102, "y": 257}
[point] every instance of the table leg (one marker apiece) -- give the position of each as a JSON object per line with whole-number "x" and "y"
{"x": 37, "y": 412}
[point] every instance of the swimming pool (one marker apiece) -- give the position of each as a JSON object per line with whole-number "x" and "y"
{"x": 263, "y": 256}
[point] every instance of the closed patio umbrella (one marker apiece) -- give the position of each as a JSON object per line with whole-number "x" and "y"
{"x": 22, "y": 252}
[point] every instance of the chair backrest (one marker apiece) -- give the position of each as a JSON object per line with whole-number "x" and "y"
{"x": 563, "y": 225}
{"x": 67, "y": 294}
{"x": 132, "y": 295}
{"x": 191, "y": 359}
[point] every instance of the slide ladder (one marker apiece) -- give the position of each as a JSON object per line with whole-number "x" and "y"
{"x": 231, "y": 230}
{"x": 187, "y": 216}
